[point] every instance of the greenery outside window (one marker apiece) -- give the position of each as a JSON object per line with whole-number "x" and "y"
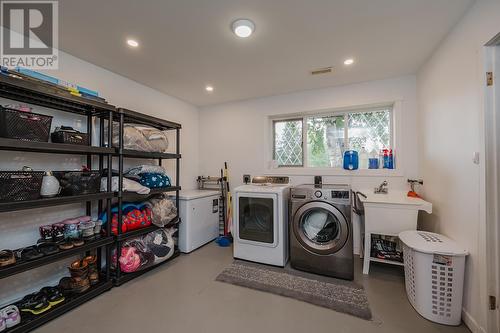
{"x": 319, "y": 141}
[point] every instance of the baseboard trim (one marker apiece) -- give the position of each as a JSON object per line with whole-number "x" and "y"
{"x": 471, "y": 323}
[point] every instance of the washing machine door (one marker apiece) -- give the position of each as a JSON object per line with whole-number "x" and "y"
{"x": 320, "y": 228}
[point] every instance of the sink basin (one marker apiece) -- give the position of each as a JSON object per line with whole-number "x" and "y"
{"x": 395, "y": 197}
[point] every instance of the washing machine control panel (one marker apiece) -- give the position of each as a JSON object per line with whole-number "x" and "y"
{"x": 340, "y": 194}
{"x": 327, "y": 193}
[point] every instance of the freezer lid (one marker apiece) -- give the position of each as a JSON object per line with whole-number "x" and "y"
{"x": 196, "y": 194}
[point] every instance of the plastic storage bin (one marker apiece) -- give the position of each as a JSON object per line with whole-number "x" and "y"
{"x": 28, "y": 126}
{"x": 434, "y": 275}
{"x": 78, "y": 182}
{"x": 20, "y": 185}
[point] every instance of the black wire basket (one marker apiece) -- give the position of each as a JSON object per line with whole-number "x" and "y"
{"x": 68, "y": 135}
{"x": 78, "y": 182}
{"x": 20, "y": 185}
{"x": 26, "y": 126}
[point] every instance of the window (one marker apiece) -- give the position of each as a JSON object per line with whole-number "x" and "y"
{"x": 322, "y": 139}
{"x": 288, "y": 142}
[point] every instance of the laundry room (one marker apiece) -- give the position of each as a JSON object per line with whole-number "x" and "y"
{"x": 249, "y": 165}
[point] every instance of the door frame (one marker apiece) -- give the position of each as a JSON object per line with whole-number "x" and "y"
{"x": 236, "y": 224}
{"x": 491, "y": 181}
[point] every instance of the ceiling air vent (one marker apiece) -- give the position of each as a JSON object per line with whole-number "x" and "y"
{"x": 324, "y": 70}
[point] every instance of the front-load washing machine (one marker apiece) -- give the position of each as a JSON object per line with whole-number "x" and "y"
{"x": 260, "y": 221}
{"x": 321, "y": 236}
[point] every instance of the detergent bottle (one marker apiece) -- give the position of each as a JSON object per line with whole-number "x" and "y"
{"x": 391, "y": 159}
{"x": 363, "y": 158}
{"x": 373, "y": 161}
{"x": 351, "y": 160}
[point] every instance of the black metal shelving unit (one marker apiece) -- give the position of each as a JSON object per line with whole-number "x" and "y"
{"x": 32, "y": 321}
{"x": 46, "y": 95}
{"x": 23, "y": 266}
{"x": 124, "y": 116}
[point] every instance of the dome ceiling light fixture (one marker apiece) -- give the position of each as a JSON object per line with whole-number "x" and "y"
{"x": 243, "y": 28}
{"x": 349, "y": 62}
{"x": 132, "y": 43}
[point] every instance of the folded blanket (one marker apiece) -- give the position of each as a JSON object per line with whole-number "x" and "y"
{"x": 154, "y": 180}
{"x": 128, "y": 185}
{"x": 140, "y": 169}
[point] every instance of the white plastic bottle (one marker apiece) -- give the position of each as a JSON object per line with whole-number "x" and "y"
{"x": 363, "y": 158}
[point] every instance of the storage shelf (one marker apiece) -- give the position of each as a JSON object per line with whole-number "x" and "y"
{"x": 43, "y": 94}
{"x": 149, "y": 155}
{"x": 385, "y": 261}
{"x": 132, "y": 196}
{"x": 125, "y": 277}
{"x": 22, "y": 266}
{"x": 143, "y": 231}
{"x": 55, "y": 148}
{"x": 135, "y": 117}
{"x": 56, "y": 201}
{"x": 70, "y": 303}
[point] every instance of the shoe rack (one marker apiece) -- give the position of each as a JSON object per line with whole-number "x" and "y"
{"x": 103, "y": 115}
{"x": 27, "y": 91}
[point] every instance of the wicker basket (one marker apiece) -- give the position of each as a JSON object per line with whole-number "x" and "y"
{"x": 70, "y": 136}
{"x": 20, "y": 185}
{"x": 78, "y": 182}
{"x": 26, "y": 126}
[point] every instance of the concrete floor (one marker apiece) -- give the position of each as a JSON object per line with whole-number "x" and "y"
{"x": 183, "y": 296}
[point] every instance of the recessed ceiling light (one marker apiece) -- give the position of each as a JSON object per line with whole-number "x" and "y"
{"x": 243, "y": 28}
{"x": 132, "y": 42}
{"x": 209, "y": 88}
{"x": 349, "y": 61}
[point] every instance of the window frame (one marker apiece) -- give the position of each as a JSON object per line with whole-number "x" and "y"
{"x": 282, "y": 120}
{"x": 391, "y": 107}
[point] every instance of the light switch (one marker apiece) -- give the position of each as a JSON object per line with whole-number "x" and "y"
{"x": 475, "y": 157}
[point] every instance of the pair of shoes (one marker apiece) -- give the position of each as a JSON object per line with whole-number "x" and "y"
{"x": 7, "y": 258}
{"x": 93, "y": 272}
{"x": 69, "y": 244}
{"x": 84, "y": 274}
{"x": 38, "y": 251}
{"x": 9, "y": 317}
{"x": 41, "y": 301}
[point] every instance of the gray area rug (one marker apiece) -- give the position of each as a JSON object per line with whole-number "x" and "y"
{"x": 339, "y": 295}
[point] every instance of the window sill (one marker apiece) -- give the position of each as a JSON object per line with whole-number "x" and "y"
{"x": 301, "y": 171}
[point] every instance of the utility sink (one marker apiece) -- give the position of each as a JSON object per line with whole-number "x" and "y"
{"x": 395, "y": 198}
{"x": 389, "y": 214}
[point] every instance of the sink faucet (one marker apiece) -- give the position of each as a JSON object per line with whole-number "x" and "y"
{"x": 382, "y": 188}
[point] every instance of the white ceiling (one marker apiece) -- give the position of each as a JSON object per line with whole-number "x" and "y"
{"x": 186, "y": 44}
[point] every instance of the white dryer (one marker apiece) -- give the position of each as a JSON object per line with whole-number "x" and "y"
{"x": 260, "y": 221}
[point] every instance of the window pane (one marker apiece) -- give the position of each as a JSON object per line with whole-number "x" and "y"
{"x": 288, "y": 142}
{"x": 370, "y": 130}
{"x": 325, "y": 141}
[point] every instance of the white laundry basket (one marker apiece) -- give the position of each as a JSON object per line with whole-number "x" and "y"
{"x": 434, "y": 275}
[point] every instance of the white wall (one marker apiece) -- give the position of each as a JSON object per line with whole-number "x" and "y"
{"x": 238, "y": 132}
{"x": 450, "y": 98}
{"x": 18, "y": 229}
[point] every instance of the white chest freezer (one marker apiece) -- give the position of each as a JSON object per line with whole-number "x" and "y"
{"x": 199, "y": 213}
